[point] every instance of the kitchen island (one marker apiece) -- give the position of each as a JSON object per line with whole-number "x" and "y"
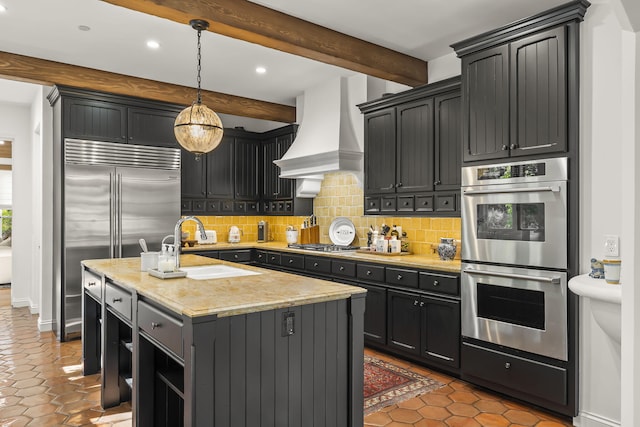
{"x": 267, "y": 348}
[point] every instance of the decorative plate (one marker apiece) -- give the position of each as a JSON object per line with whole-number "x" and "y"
{"x": 342, "y": 231}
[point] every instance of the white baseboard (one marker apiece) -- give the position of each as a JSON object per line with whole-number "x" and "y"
{"x": 20, "y": 302}
{"x": 45, "y": 325}
{"x": 35, "y": 308}
{"x": 586, "y": 419}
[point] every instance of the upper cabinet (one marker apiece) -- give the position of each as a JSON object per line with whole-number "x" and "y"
{"x": 412, "y": 151}
{"x": 519, "y": 87}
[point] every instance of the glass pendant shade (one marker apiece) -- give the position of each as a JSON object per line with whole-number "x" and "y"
{"x": 198, "y": 129}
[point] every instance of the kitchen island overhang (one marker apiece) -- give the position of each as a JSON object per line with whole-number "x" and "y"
{"x": 266, "y": 349}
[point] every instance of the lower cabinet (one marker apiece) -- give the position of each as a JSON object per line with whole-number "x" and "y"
{"x": 424, "y": 326}
{"x": 375, "y": 315}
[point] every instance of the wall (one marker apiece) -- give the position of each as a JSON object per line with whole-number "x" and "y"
{"x": 609, "y": 205}
{"x": 340, "y": 195}
{"x": 14, "y": 124}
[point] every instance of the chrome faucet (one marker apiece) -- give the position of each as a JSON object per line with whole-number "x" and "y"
{"x": 177, "y": 236}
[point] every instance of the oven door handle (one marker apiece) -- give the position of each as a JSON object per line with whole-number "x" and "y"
{"x": 553, "y": 189}
{"x": 554, "y": 280}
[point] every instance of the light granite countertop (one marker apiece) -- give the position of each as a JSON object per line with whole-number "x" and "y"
{"x": 222, "y": 297}
{"x": 430, "y": 262}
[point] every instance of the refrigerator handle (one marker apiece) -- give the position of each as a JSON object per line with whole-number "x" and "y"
{"x": 119, "y": 214}
{"x": 112, "y": 209}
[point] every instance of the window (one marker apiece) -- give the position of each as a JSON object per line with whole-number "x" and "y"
{"x": 5, "y": 218}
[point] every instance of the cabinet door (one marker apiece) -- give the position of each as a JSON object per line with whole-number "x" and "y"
{"x": 403, "y": 321}
{"x": 441, "y": 330}
{"x": 485, "y": 104}
{"x": 539, "y": 93}
{"x": 270, "y": 170}
{"x": 414, "y": 147}
{"x": 152, "y": 127}
{"x": 94, "y": 120}
{"x": 220, "y": 169}
{"x": 380, "y": 151}
{"x": 246, "y": 169}
{"x": 193, "y": 176}
{"x": 375, "y": 315}
{"x": 285, "y": 185}
{"x": 448, "y": 142}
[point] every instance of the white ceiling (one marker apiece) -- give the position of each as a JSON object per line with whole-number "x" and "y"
{"x": 425, "y": 29}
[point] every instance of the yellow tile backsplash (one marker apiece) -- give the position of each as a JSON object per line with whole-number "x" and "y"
{"x": 340, "y": 195}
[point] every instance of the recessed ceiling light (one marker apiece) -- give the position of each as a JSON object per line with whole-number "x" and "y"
{"x": 152, "y": 44}
{"x": 84, "y": 28}
{"x": 2, "y": 8}
{"x": 261, "y": 70}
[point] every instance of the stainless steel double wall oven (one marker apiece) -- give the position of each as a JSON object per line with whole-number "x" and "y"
{"x": 514, "y": 271}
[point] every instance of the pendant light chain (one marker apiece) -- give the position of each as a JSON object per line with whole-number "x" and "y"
{"x": 199, "y": 96}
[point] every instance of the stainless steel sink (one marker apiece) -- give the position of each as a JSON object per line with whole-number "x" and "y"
{"x": 215, "y": 272}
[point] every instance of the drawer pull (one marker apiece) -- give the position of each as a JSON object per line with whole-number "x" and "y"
{"x": 421, "y": 303}
{"x": 399, "y": 276}
{"x": 91, "y": 284}
{"x": 415, "y": 302}
{"x": 436, "y": 283}
{"x": 235, "y": 256}
{"x": 341, "y": 268}
{"x": 440, "y": 356}
{"x": 291, "y": 261}
{"x": 507, "y": 365}
{"x": 273, "y": 258}
{"x": 117, "y": 300}
{"x": 155, "y": 325}
{"x": 315, "y": 264}
{"x": 368, "y": 272}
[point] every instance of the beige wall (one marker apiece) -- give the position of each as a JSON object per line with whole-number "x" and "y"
{"x": 340, "y": 196}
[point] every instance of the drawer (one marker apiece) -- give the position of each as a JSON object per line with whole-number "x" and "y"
{"x": 534, "y": 378}
{"x": 372, "y": 204}
{"x": 292, "y": 261}
{"x": 343, "y": 268}
{"x": 388, "y": 204}
{"x": 226, "y": 206}
{"x": 198, "y": 206}
{"x": 440, "y": 283}
{"x": 93, "y": 284}
{"x": 370, "y": 272}
{"x": 424, "y": 204}
{"x": 119, "y": 300}
{"x": 402, "y": 277}
{"x": 240, "y": 207}
{"x": 252, "y": 207}
{"x": 274, "y": 258}
{"x": 405, "y": 203}
{"x": 261, "y": 257}
{"x": 317, "y": 264}
{"x": 446, "y": 203}
{"x": 243, "y": 255}
{"x": 213, "y": 206}
{"x": 162, "y": 327}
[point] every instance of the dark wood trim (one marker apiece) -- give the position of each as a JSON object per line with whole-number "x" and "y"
{"x": 573, "y": 11}
{"x": 41, "y": 71}
{"x": 251, "y": 22}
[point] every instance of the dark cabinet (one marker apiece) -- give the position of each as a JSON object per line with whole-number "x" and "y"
{"x": 375, "y": 315}
{"x": 246, "y": 169}
{"x": 274, "y": 187}
{"x": 437, "y": 337}
{"x": 412, "y": 150}
{"x": 147, "y": 126}
{"x": 94, "y": 120}
{"x": 515, "y": 96}
{"x": 193, "y": 177}
{"x": 220, "y": 174}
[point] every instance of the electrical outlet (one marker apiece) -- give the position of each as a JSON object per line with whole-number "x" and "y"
{"x": 611, "y": 245}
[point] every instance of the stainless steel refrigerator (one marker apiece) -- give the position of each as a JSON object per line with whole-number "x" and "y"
{"x": 111, "y": 196}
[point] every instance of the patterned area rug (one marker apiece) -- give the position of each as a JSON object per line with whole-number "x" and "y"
{"x": 387, "y": 384}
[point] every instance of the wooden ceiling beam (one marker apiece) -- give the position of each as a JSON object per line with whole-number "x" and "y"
{"x": 251, "y": 22}
{"x": 41, "y": 71}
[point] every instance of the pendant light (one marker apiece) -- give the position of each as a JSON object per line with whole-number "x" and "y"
{"x": 197, "y": 128}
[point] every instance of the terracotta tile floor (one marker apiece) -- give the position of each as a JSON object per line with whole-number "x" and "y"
{"x": 41, "y": 384}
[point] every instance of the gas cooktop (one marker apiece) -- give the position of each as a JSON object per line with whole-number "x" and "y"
{"x": 322, "y": 247}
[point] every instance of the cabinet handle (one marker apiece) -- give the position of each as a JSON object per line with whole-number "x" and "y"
{"x": 446, "y": 202}
{"x": 421, "y": 303}
{"x": 389, "y": 187}
{"x": 399, "y": 276}
{"x": 155, "y": 325}
{"x": 399, "y": 184}
{"x": 415, "y": 302}
{"x": 505, "y": 147}
{"x": 130, "y": 138}
{"x": 291, "y": 261}
{"x": 388, "y": 204}
{"x": 117, "y": 300}
{"x": 368, "y": 272}
{"x": 260, "y": 256}
{"x": 507, "y": 365}
{"x": 315, "y": 264}
{"x": 235, "y": 256}
{"x": 341, "y": 268}
{"x": 437, "y": 182}
{"x": 91, "y": 284}
{"x": 514, "y": 146}
{"x": 209, "y": 193}
{"x": 436, "y": 283}
{"x": 406, "y": 203}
